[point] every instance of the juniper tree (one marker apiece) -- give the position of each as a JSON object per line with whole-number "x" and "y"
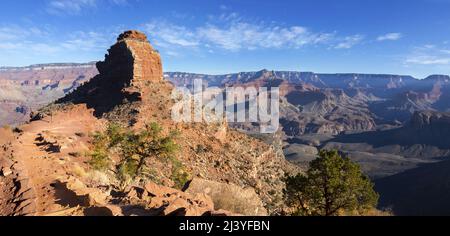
{"x": 332, "y": 184}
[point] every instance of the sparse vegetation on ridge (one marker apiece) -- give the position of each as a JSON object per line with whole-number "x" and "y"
{"x": 134, "y": 149}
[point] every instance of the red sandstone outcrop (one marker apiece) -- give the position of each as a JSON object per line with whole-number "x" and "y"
{"x": 130, "y": 66}
{"x": 132, "y": 60}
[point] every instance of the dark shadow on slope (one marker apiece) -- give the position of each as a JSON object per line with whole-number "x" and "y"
{"x": 423, "y": 191}
{"x": 111, "y": 87}
{"x": 68, "y": 198}
{"x": 305, "y": 98}
{"x": 432, "y": 135}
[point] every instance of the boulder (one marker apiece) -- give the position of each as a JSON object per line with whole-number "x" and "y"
{"x": 5, "y": 167}
{"x": 160, "y": 200}
{"x": 229, "y": 197}
{"x": 5, "y": 171}
{"x": 158, "y": 190}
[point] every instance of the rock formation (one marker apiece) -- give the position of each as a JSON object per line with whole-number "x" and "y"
{"x": 421, "y": 119}
{"x": 130, "y": 65}
{"x": 229, "y": 197}
{"x": 130, "y": 90}
{"x": 131, "y": 61}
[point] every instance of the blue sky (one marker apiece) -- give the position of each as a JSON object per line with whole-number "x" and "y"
{"x": 222, "y": 36}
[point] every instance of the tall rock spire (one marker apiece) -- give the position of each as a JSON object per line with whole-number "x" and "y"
{"x": 130, "y": 65}
{"x": 132, "y": 59}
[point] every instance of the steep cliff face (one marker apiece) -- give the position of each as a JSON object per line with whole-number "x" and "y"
{"x": 132, "y": 61}
{"x": 423, "y": 119}
{"x": 324, "y": 112}
{"x": 128, "y": 69}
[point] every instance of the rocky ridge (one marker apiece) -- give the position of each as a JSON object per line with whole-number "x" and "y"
{"x": 130, "y": 90}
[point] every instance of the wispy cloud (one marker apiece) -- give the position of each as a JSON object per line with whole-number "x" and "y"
{"x": 231, "y": 32}
{"x": 350, "y": 41}
{"x": 9, "y": 46}
{"x": 390, "y": 37}
{"x": 429, "y": 55}
{"x": 74, "y": 7}
{"x": 167, "y": 34}
{"x": 69, "y": 6}
{"x": 223, "y": 7}
{"x": 15, "y": 32}
{"x": 242, "y": 35}
{"x": 228, "y": 32}
{"x": 40, "y": 41}
{"x": 86, "y": 41}
{"x": 428, "y": 60}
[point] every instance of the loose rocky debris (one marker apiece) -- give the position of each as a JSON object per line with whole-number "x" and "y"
{"x": 17, "y": 197}
{"x": 150, "y": 200}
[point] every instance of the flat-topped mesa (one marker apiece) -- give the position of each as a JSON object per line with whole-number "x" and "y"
{"x": 131, "y": 61}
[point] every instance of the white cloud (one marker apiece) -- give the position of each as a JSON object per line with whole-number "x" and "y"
{"x": 43, "y": 48}
{"x": 69, "y": 6}
{"x": 230, "y": 32}
{"x": 120, "y": 2}
{"x": 390, "y": 37}
{"x": 9, "y": 45}
{"x": 429, "y": 55}
{"x": 14, "y": 32}
{"x": 242, "y": 35}
{"x": 223, "y": 33}
{"x": 86, "y": 41}
{"x": 74, "y": 7}
{"x": 169, "y": 34}
{"x": 349, "y": 42}
{"x": 428, "y": 60}
{"x": 21, "y": 40}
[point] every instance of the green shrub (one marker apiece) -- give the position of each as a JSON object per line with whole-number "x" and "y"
{"x": 99, "y": 159}
{"x": 333, "y": 184}
{"x": 133, "y": 148}
{"x": 126, "y": 171}
{"x": 115, "y": 134}
{"x": 179, "y": 174}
